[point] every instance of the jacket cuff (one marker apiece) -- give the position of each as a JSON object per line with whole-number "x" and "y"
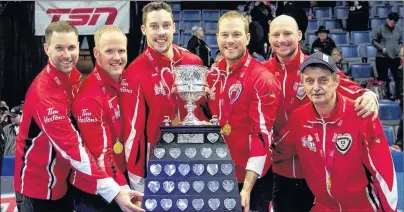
{"x": 108, "y": 188}
{"x": 256, "y": 164}
{"x": 125, "y": 187}
{"x": 136, "y": 182}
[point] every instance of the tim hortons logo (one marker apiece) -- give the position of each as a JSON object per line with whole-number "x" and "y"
{"x": 83, "y": 16}
{"x": 86, "y": 117}
{"x": 53, "y": 115}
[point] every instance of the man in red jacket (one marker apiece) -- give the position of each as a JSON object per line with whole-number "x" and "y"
{"x": 48, "y": 146}
{"x": 345, "y": 158}
{"x": 290, "y": 190}
{"x": 96, "y": 110}
{"x": 145, "y": 101}
{"x": 246, "y": 100}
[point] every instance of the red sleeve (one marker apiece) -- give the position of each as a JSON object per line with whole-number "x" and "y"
{"x": 348, "y": 87}
{"x": 96, "y": 132}
{"x": 285, "y": 141}
{"x": 52, "y": 116}
{"x": 133, "y": 109}
{"x": 263, "y": 108}
{"x": 378, "y": 161}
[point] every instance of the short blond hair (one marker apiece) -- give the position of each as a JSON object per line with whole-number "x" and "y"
{"x": 104, "y": 29}
{"x": 59, "y": 26}
{"x": 234, "y": 14}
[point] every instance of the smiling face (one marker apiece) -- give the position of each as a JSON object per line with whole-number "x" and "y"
{"x": 319, "y": 84}
{"x": 111, "y": 53}
{"x": 232, "y": 38}
{"x": 284, "y": 37}
{"x": 159, "y": 29}
{"x": 62, "y": 49}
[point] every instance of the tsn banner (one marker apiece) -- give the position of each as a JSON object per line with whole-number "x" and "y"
{"x": 87, "y": 16}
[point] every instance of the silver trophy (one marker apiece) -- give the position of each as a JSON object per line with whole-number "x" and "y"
{"x": 190, "y": 83}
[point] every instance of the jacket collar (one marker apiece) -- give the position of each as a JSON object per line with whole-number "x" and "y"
{"x": 292, "y": 65}
{"x": 62, "y": 79}
{"x": 336, "y": 114}
{"x": 162, "y": 60}
{"x": 105, "y": 78}
{"x": 235, "y": 67}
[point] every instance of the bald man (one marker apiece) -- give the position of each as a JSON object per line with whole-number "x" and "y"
{"x": 291, "y": 192}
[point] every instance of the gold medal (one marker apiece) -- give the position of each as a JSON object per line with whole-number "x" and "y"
{"x": 226, "y": 130}
{"x": 176, "y": 121}
{"x": 118, "y": 147}
{"x": 329, "y": 183}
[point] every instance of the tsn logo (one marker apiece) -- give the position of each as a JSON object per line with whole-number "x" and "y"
{"x": 83, "y": 16}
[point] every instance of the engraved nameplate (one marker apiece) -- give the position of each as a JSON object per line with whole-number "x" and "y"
{"x": 190, "y": 138}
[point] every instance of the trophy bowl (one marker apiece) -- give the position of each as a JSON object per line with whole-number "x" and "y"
{"x": 190, "y": 83}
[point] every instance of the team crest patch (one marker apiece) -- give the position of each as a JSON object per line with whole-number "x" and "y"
{"x": 344, "y": 142}
{"x": 300, "y": 93}
{"x": 234, "y": 92}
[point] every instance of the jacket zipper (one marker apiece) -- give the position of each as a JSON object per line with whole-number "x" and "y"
{"x": 327, "y": 173}
{"x": 286, "y": 116}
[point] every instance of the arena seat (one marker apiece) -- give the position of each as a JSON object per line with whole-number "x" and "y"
{"x": 177, "y": 39}
{"x": 185, "y": 38}
{"x": 191, "y": 15}
{"x": 7, "y": 168}
{"x": 175, "y": 6}
{"x": 362, "y": 72}
{"x": 308, "y": 11}
{"x": 400, "y": 10}
{"x": 210, "y": 15}
{"x": 361, "y": 37}
{"x": 210, "y": 26}
{"x": 340, "y": 37}
{"x": 389, "y": 132}
{"x": 398, "y": 161}
{"x": 341, "y": 12}
{"x": 213, "y": 51}
{"x": 210, "y": 39}
{"x": 376, "y": 22}
{"x": 322, "y": 12}
{"x": 186, "y": 25}
{"x": 312, "y": 25}
{"x": 389, "y": 113}
{"x": 332, "y": 24}
{"x": 351, "y": 53}
{"x": 177, "y": 15}
{"x": 383, "y": 11}
{"x": 310, "y": 38}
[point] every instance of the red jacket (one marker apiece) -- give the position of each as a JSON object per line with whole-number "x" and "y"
{"x": 247, "y": 99}
{"x": 96, "y": 110}
{"x": 293, "y": 96}
{"x": 48, "y": 145}
{"x": 345, "y": 158}
{"x": 145, "y": 102}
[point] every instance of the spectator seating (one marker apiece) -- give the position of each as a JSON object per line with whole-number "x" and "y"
{"x": 400, "y": 10}
{"x": 310, "y": 38}
{"x": 372, "y": 3}
{"x": 175, "y": 6}
{"x": 313, "y": 25}
{"x": 341, "y": 12}
{"x": 223, "y": 12}
{"x": 389, "y": 113}
{"x": 340, "y": 3}
{"x": 369, "y": 56}
{"x": 191, "y": 15}
{"x": 8, "y": 165}
{"x": 185, "y": 38}
{"x": 389, "y": 132}
{"x": 210, "y": 15}
{"x": 376, "y": 22}
{"x": 322, "y": 12}
{"x": 383, "y": 11}
{"x": 210, "y": 26}
{"x": 177, "y": 15}
{"x": 340, "y": 37}
{"x": 177, "y": 39}
{"x": 361, "y": 37}
{"x": 213, "y": 51}
{"x": 210, "y": 39}
{"x": 333, "y": 24}
{"x": 362, "y": 72}
{"x": 186, "y": 25}
{"x": 351, "y": 53}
